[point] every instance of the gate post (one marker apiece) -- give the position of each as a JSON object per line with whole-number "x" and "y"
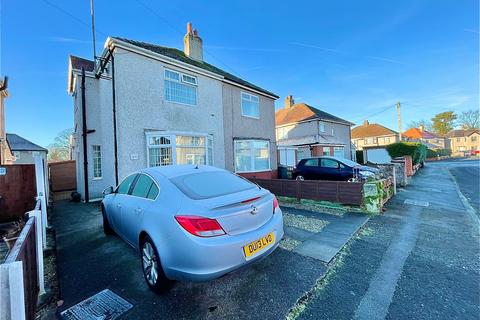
{"x": 39, "y": 245}
{"x": 40, "y": 179}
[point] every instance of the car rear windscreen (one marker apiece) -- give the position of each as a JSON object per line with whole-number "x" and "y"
{"x": 206, "y": 185}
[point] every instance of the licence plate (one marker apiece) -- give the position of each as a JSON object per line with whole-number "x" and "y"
{"x": 259, "y": 245}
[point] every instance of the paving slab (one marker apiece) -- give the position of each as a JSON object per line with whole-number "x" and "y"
{"x": 297, "y": 233}
{"x": 327, "y": 243}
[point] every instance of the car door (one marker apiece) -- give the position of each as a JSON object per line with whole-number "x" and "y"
{"x": 121, "y": 196}
{"x": 141, "y": 198}
{"x": 329, "y": 169}
{"x": 346, "y": 172}
{"x": 309, "y": 170}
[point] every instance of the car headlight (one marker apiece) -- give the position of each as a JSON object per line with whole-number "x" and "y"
{"x": 366, "y": 174}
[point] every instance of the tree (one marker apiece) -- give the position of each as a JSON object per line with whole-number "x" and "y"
{"x": 427, "y": 125}
{"x": 59, "y": 150}
{"x": 444, "y": 122}
{"x": 469, "y": 119}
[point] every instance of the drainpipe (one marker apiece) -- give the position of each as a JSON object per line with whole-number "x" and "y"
{"x": 2, "y": 88}
{"x": 114, "y": 107}
{"x": 84, "y": 137}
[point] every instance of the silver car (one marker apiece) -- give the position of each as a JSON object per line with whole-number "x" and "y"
{"x": 192, "y": 222}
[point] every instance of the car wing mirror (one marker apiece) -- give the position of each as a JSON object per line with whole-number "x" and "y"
{"x": 107, "y": 190}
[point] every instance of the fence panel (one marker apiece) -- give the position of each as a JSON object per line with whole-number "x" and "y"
{"x": 63, "y": 176}
{"x": 17, "y": 191}
{"x": 25, "y": 250}
{"x": 334, "y": 191}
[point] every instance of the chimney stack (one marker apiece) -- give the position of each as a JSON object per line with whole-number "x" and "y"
{"x": 366, "y": 123}
{"x": 421, "y": 127}
{"x": 193, "y": 44}
{"x": 289, "y": 102}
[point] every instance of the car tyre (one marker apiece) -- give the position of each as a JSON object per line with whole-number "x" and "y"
{"x": 107, "y": 228}
{"x": 299, "y": 178}
{"x": 152, "y": 267}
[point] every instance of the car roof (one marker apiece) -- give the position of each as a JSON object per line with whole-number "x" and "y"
{"x": 324, "y": 157}
{"x": 172, "y": 171}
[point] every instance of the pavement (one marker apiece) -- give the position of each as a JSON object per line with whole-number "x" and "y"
{"x": 416, "y": 261}
{"x": 89, "y": 262}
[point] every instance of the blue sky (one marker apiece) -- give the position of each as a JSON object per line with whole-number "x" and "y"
{"x": 350, "y": 58}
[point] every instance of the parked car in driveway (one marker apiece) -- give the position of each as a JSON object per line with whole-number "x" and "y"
{"x": 192, "y": 222}
{"x": 331, "y": 168}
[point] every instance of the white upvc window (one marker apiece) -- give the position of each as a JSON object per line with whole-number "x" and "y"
{"x": 252, "y": 155}
{"x": 166, "y": 149}
{"x": 287, "y": 156}
{"x": 339, "y": 152}
{"x": 321, "y": 126}
{"x": 250, "y": 105}
{"x": 97, "y": 161}
{"x": 180, "y": 88}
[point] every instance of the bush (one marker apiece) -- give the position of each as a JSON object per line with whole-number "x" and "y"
{"x": 416, "y": 150}
{"x": 431, "y": 153}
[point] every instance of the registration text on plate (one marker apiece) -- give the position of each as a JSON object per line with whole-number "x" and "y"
{"x": 259, "y": 245}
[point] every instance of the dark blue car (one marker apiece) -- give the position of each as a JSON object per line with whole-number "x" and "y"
{"x": 331, "y": 168}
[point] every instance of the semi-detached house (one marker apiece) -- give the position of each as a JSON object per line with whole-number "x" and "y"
{"x": 148, "y": 105}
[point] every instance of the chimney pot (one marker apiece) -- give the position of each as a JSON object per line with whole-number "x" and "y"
{"x": 366, "y": 123}
{"x": 289, "y": 102}
{"x": 189, "y": 27}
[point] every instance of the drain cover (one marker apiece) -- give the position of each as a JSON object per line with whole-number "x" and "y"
{"x": 419, "y": 203}
{"x": 103, "y": 305}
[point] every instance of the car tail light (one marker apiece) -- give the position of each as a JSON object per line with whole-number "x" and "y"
{"x": 200, "y": 226}
{"x": 275, "y": 203}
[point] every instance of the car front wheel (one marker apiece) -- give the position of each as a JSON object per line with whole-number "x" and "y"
{"x": 152, "y": 268}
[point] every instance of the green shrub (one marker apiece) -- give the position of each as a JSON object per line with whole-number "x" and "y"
{"x": 416, "y": 150}
{"x": 431, "y": 153}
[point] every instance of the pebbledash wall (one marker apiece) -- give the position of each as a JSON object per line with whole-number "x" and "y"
{"x": 141, "y": 108}
{"x": 240, "y": 127}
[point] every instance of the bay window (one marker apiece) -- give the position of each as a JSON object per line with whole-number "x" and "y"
{"x": 252, "y": 155}
{"x": 180, "y": 88}
{"x": 166, "y": 149}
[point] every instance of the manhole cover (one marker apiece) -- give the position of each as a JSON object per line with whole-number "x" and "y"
{"x": 419, "y": 203}
{"x": 104, "y": 305}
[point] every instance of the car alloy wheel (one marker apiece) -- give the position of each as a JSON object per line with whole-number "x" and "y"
{"x": 152, "y": 268}
{"x": 300, "y": 178}
{"x": 149, "y": 262}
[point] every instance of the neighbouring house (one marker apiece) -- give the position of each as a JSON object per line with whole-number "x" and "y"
{"x": 5, "y": 153}
{"x": 430, "y": 139}
{"x": 303, "y": 131}
{"x": 464, "y": 142}
{"x": 372, "y": 140}
{"x": 144, "y": 105}
{"x": 23, "y": 150}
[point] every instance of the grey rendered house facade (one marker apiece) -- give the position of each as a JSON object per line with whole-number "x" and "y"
{"x": 303, "y": 131}
{"x": 148, "y": 105}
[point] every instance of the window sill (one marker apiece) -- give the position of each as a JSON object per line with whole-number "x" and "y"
{"x": 251, "y": 117}
{"x": 96, "y": 179}
{"x": 182, "y": 104}
{"x": 257, "y": 171}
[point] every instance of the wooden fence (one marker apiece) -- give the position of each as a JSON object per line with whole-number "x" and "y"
{"x": 25, "y": 251}
{"x": 17, "y": 191}
{"x": 334, "y": 191}
{"x": 63, "y": 176}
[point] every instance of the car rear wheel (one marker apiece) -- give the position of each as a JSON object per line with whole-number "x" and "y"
{"x": 107, "y": 229}
{"x": 152, "y": 268}
{"x": 300, "y": 178}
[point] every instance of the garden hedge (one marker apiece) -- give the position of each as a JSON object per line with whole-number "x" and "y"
{"x": 416, "y": 150}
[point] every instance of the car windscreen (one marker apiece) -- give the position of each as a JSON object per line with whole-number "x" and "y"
{"x": 205, "y": 185}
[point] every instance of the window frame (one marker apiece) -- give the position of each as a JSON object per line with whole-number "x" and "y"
{"x": 251, "y": 141}
{"x": 96, "y": 159}
{"x": 181, "y": 81}
{"x": 241, "y": 104}
{"x": 172, "y": 136}
{"x": 134, "y": 183}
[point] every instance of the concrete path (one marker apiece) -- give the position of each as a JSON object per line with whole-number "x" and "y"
{"x": 327, "y": 243}
{"x": 416, "y": 261}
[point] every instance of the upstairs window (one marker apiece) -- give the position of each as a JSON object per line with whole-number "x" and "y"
{"x": 250, "y": 106}
{"x": 180, "y": 88}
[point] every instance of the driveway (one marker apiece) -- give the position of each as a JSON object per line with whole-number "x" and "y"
{"x": 89, "y": 261}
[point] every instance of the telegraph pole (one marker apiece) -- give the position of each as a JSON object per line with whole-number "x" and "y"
{"x": 399, "y": 118}
{"x": 92, "y": 14}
